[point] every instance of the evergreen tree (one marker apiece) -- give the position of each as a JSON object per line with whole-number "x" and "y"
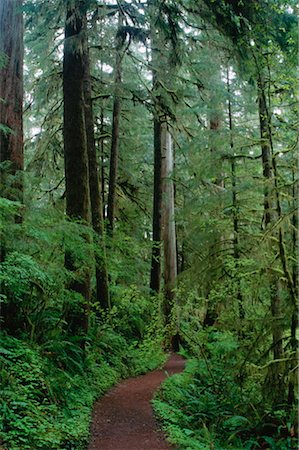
{"x": 75, "y": 145}
{"x": 11, "y": 98}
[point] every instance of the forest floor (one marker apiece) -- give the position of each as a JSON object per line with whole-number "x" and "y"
{"x": 123, "y": 419}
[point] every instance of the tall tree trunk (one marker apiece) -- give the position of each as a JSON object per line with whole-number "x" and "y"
{"x": 155, "y": 281}
{"x": 114, "y": 154}
{"x": 294, "y": 317}
{"x": 11, "y": 98}
{"x": 211, "y": 314}
{"x": 270, "y": 215}
{"x": 11, "y": 123}
{"x": 234, "y": 204}
{"x": 269, "y": 209}
{"x": 168, "y": 234}
{"x": 156, "y": 60}
{"x": 94, "y": 185}
{"x": 75, "y": 147}
{"x": 163, "y": 198}
{"x": 102, "y": 156}
{"x": 294, "y": 321}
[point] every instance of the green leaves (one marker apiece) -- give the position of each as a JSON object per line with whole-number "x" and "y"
{"x": 20, "y": 275}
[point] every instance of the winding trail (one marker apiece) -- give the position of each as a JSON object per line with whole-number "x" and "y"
{"x": 123, "y": 418}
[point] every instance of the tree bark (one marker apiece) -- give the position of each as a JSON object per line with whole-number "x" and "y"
{"x": 235, "y": 206}
{"x": 11, "y": 97}
{"x": 75, "y": 147}
{"x": 269, "y": 208}
{"x": 102, "y": 155}
{"x": 294, "y": 317}
{"x": 163, "y": 198}
{"x": 271, "y": 213}
{"x": 211, "y": 314}
{"x": 114, "y": 153}
{"x": 102, "y": 289}
{"x": 169, "y": 234}
{"x": 157, "y": 71}
{"x": 155, "y": 281}
{"x": 11, "y": 124}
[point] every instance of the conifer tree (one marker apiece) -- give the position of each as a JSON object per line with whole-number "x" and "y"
{"x": 102, "y": 289}
{"x": 75, "y": 144}
{"x": 11, "y": 97}
{"x": 164, "y": 61}
{"x": 114, "y": 153}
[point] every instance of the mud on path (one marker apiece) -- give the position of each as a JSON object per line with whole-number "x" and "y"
{"x": 123, "y": 418}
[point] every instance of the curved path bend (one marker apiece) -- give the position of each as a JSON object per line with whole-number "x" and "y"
{"x": 123, "y": 418}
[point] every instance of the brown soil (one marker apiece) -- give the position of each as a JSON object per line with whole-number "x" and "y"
{"x": 123, "y": 419}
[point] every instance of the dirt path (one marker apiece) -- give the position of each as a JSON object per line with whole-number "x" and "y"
{"x": 123, "y": 419}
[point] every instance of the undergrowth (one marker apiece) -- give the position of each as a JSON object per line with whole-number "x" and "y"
{"x": 208, "y": 407}
{"x": 48, "y": 379}
{"x": 47, "y": 391}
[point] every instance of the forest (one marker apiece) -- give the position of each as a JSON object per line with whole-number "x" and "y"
{"x": 149, "y": 205}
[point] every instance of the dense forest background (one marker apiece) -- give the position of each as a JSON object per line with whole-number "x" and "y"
{"x": 149, "y": 203}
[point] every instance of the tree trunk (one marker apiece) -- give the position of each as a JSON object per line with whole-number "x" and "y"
{"x": 294, "y": 317}
{"x": 75, "y": 147}
{"x": 277, "y": 331}
{"x": 102, "y": 289}
{"x": 211, "y": 314}
{"x": 11, "y": 98}
{"x": 11, "y": 124}
{"x": 157, "y": 71}
{"x": 168, "y": 234}
{"x": 270, "y": 212}
{"x": 155, "y": 281}
{"x": 114, "y": 154}
{"x": 102, "y": 156}
{"x": 294, "y": 321}
{"x": 235, "y": 205}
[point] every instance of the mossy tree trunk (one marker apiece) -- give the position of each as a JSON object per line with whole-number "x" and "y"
{"x": 236, "y": 244}
{"x": 163, "y": 69}
{"x": 168, "y": 229}
{"x": 156, "y": 60}
{"x": 11, "y": 124}
{"x": 114, "y": 153}
{"x": 75, "y": 149}
{"x": 155, "y": 280}
{"x": 11, "y": 98}
{"x": 102, "y": 290}
{"x": 270, "y": 215}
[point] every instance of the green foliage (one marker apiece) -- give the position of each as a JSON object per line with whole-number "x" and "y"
{"x": 44, "y": 405}
{"x": 224, "y": 400}
{"x": 47, "y": 391}
{"x": 48, "y": 386}
{"x": 20, "y": 276}
{"x": 210, "y": 405}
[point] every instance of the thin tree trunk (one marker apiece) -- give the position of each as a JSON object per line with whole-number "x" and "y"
{"x": 75, "y": 147}
{"x": 294, "y": 322}
{"x": 114, "y": 154}
{"x": 102, "y": 156}
{"x": 270, "y": 212}
{"x": 294, "y": 317}
{"x": 269, "y": 209}
{"x": 11, "y": 98}
{"x": 235, "y": 204}
{"x": 211, "y": 314}
{"x": 102, "y": 289}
